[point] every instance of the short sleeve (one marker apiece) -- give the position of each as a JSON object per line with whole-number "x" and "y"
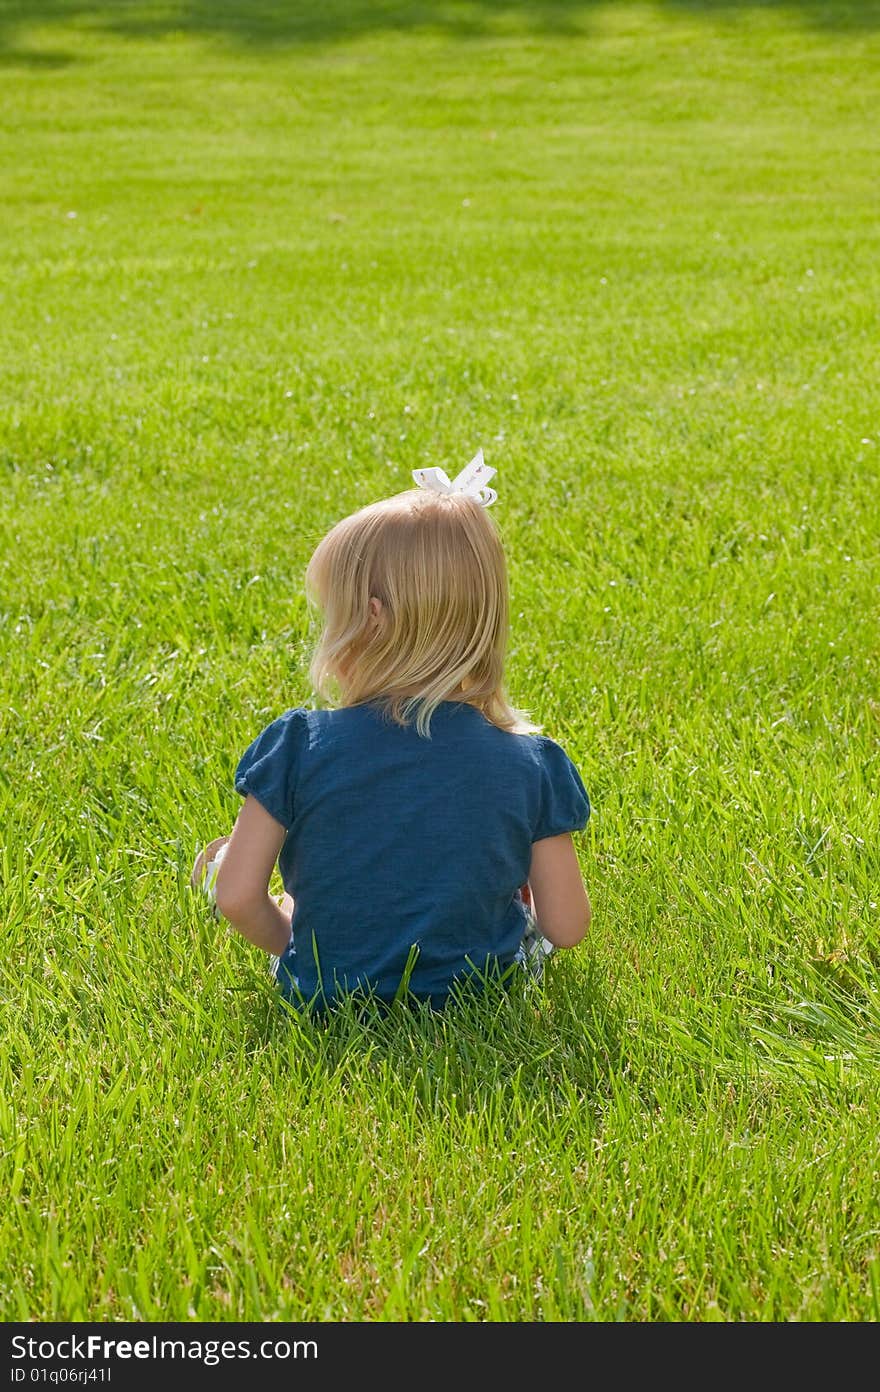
{"x": 565, "y": 806}
{"x": 268, "y": 768}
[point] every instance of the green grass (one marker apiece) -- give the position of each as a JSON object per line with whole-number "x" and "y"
{"x": 257, "y": 262}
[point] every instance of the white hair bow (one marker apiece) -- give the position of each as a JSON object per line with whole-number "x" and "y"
{"x": 472, "y": 480}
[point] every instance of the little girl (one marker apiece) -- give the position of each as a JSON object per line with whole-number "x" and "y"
{"x": 419, "y": 822}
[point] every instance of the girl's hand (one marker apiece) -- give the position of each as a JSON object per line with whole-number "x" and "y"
{"x": 285, "y": 904}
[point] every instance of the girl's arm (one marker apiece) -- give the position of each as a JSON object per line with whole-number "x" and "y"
{"x": 242, "y": 887}
{"x": 560, "y": 900}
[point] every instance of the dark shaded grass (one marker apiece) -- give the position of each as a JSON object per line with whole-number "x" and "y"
{"x": 271, "y": 23}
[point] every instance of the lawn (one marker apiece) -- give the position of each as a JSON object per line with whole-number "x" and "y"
{"x": 258, "y": 261}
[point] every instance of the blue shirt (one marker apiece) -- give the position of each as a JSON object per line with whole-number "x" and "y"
{"x": 405, "y": 852}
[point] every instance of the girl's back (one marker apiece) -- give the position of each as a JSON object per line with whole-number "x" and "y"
{"x": 402, "y": 848}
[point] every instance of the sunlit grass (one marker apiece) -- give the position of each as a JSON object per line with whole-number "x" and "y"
{"x": 249, "y": 279}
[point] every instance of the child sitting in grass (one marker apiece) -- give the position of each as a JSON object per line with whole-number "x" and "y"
{"x": 423, "y": 830}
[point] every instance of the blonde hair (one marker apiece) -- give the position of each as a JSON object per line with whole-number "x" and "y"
{"x": 436, "y": 565}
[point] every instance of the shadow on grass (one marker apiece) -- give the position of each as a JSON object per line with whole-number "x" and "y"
{"x": 41, "y": 60}
{"x": 274, "y": 23}
{"x": 544, "y": 1045}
